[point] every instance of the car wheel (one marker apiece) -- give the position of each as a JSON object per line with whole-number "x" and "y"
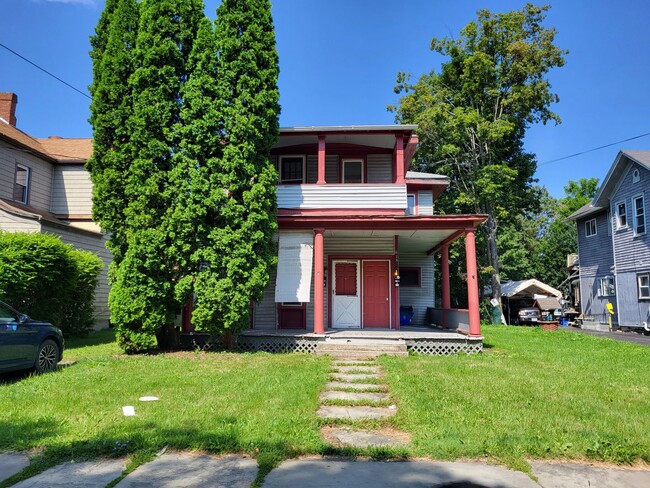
{"x": 47, "y": 357}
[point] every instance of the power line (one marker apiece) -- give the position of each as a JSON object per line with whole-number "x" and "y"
{"x": 45, "y": 71}
{"x": 593, "y": 149}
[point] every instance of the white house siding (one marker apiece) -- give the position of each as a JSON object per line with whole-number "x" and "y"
{"x": 380, "y": 168}
{"x": 40, "y": 176}
{"x": 342, "y": 196}
{"x": 425, "y": 203}
{"x": 596, "y": 261}
{"x": 421, "y": 297}
{"x": 13, "y": 223}
{"x": 71, "y": 191}
{"x": 97, "y": 245}
{"x": 632, "y": 252}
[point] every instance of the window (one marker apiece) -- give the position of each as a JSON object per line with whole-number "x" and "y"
{"x": 643, "y": 282}
{"x": 411, "y": 206}
{"x": 590, "y": 227}
{"x": 292, "y": 170}
{"x": 636, "y": 176}
{"x": 21, "y": 184}
{"x": 352, "y": 171}
{"x": 409, "y": 277}
{"x": 621, "y": 215}
{"x": 606, "y": 287}
{"x": 639, "y": 215}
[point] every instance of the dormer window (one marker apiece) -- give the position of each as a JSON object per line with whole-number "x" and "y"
{"x": 292, "y": 170}
{"x": 636, "y": 176}
{"x": 21, "y": 184}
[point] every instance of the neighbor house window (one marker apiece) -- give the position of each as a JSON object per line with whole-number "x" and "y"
{"x": 411, "y": 205}
{"x": 590, "y": 227}
{"x": 292, "y": 170}
{"x": 410, "y": 277}
{"x": 606, "y": 287}
{"x": 643, "y": 282}
{"x": 352, "y": 171}
{"x": 621, "y": 215}
{"x": 21, "y": 184}
{"x": 636, "y": 176}
{"x": 639, "y": 215}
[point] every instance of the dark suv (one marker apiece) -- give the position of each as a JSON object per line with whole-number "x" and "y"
{"x": 27, "y": 343}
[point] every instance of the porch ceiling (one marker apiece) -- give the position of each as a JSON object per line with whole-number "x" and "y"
{"x": 409, "y": 240}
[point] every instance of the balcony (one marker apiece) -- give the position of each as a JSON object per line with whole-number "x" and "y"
{"x": 342, "y": 196}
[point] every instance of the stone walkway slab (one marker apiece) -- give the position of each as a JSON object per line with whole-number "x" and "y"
{"x": 355, "y": 397}
{"x": 355, "y": 413}
{"x": 357, "y": 369}
{"x": 354, "y": 362}
{"x": 186, "y": 470}
{"x": 565, "y": 475}
{"x": 364, "y": 438}
{"x": 327, "y": 473}
{"x": 337, "y": 385}
{"x": 88, "y": 474}
{"x": 353, "y": 377}
{"x": 11, "y": 464}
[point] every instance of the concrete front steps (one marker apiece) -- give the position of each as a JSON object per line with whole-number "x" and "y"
{"x": 360, "y": 348}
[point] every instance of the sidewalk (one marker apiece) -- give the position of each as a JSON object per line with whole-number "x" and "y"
{"x": 192, "y": 470}
{"x": 633, "y": 337}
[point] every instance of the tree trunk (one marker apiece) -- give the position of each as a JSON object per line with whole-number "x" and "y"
{"x": 493, "y": 261}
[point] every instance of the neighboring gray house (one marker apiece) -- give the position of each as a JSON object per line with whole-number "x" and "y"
{"x": 614, "y": 246}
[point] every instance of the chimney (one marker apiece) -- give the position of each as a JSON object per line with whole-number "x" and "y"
{"x": 8, "y": 103}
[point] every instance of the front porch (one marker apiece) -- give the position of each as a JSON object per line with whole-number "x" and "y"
{"x": 421, "y": 340}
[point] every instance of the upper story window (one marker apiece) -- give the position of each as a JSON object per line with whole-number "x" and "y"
{"x": 636, "y": 176}
{"x": 621, "y": 215}
{"x": 639, "y": 215}
{"x": 590, "y": 227}
{"x": 352, "y": 171}
{"x": 411, "y": 205}
{"x": 606, "y": 287}
{"x": 292, "y": 170}
{"x": 21, "y": 184}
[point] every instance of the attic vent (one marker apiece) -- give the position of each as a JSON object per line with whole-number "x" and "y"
{"x": 636, "y": 176}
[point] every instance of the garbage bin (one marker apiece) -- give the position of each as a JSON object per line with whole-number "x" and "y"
{"x": 405, "y": 315}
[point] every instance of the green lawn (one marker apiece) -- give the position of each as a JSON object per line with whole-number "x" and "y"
{"x": 532, "y": 394}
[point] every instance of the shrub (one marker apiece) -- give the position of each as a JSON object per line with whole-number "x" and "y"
{"x": 49, "y": 280}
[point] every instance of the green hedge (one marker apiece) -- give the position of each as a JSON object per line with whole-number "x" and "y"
{"x": 49, "y": 280}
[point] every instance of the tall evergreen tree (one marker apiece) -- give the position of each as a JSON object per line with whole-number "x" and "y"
{"x": 240, "y": 249}
{"x": 142, "y": 297}
{"x": 113, "y": 65}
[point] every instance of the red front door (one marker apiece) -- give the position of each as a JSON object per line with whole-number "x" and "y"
{"x": 376, "y": 293}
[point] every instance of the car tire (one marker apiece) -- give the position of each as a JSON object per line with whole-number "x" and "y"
{"x": 47, "y": 357}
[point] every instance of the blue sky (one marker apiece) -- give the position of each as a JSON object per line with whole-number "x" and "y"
{"x": 339, "y": 59}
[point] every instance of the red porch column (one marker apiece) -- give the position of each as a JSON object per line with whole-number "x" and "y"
{"x": 321, "y": 160}
{"x": 319, "y": 288}
{"x": 472, "y": 283}
{"x": 446, "y": 292}
{"x": 399, "y": 160}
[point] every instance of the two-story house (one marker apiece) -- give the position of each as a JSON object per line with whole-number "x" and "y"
{"x": 44, "y": 187}
{"x": 358, "y": 235}
{"x": 614, "y": 246}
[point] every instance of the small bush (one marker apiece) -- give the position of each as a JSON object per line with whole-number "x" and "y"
{"x": 49, "y": 280}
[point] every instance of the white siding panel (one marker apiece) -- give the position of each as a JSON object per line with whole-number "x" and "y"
{"x": 312, "y": 168}
{"x": 97, "y": 245}
{"x": 422, "y": 297}
{"x": 425, "y": 203}
{"x": 266, "y": 310}
{"x": 331, "y": 168}
{"x": 71, "y": 191}
{"x": 346, "y": 246}
{"x": 342, "y": 196}
{"x": 13, "y": 223}
{"x": 380, "y": 168}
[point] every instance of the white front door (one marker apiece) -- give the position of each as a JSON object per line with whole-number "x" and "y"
{"x": 346, "y": 294}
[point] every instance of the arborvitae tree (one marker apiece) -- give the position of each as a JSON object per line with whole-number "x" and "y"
{"x": 240, "y": 249}
{"x": 113, "y": 65}
{"x": 142, "y": 297}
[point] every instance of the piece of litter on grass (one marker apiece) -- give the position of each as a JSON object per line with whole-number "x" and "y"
{"x": 148, "y": 399}
{"x": 392, "y": 407}
{"x": 128, "y": 411}
{"x": 162, "y": 451}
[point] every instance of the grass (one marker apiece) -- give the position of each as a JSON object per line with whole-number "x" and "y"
{"x": 531, "y": 394}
